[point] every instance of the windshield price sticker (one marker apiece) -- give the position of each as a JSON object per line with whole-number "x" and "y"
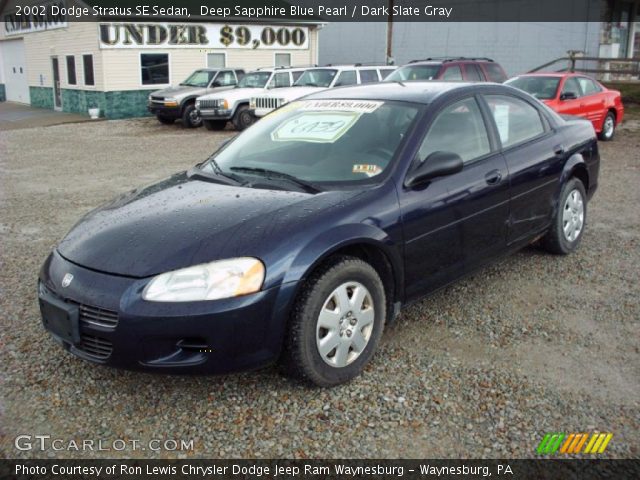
{"x": 317, "y": 127}
{"x": 368, "y": 170}
{"x": 358, "y": 106}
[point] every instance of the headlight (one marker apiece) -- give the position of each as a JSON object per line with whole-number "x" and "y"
{"x": 170, "y": 102}
{"x": 209, "y": 281}
{"x": 198, "y": 104}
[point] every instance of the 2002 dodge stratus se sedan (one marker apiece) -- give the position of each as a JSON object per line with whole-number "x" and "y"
{"x": 299, "y": 239}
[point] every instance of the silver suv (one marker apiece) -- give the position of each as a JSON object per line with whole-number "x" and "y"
{"x": 178, "y": 102}
{"x": 216, "y": 109}
{"x": 317, "y": 79}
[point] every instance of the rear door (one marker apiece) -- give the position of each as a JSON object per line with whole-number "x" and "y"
{"x": 593, "y": 101}
{"x": 455, "y": 222}
{"x": 534, "y": 155}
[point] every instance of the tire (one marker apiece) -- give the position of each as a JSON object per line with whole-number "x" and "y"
{"x": 214, "y": 125}
{"x": 165, "y": 120}
{"x": 567, "y": 218}
{"x": 243, "y": 118}
{"x": 190, "y": 117}
{"x": 608, "y": 127}
{"x": 349, "y": 328}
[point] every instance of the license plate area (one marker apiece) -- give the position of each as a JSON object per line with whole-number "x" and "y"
{"x": 60, "y": 318}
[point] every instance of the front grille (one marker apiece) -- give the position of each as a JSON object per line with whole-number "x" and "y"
{"x": 210, "y": 103}
{"x": 269, "y": 103}
{"x": 96, "y": 316}
{"x": 95, "y": 347}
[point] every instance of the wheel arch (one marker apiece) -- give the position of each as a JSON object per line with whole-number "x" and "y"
{"x": 384, "y": 256}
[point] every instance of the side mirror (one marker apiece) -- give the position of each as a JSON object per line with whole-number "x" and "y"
{"x": 568, "y": 96}
{"x": 215, "y": 84}
{"x": 438, "y": 164}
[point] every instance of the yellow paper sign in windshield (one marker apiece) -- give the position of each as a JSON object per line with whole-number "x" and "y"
{"x": 316, "y": 127}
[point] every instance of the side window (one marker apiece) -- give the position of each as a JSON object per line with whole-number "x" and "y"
{"x": 346, "y": 77}
{"x": 280, "y": 80}
{"x": 296, "y": 75}
{"x": 368, "y": 76}
{"x": 226, "y": 78}
{"x": 460, "y": 129}
{"x": 452, "y": 73}
{"x": 385, "y": 72}
{"x": 473, "y": 73}
{"x": 494, "y": 72}
{"x": 571, "y": 85}
{"x": 588, "y": 86}
{"x": 517, "y": 120}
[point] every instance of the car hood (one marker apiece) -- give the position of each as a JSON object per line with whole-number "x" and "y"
{"x": 234, "y": 94}
{"x": 176, "y": 91}
{"x": 182, "y": 221}
{"x": 292, "y": 93}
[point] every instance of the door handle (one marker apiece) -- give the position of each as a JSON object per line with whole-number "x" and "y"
{"x": 558, "y": 149}
{"x": 493, "y": 177}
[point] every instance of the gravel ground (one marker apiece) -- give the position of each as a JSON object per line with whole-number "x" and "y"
{"x": 485, "y": 368}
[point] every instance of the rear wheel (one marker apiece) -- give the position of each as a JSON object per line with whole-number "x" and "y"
{"x": 215, "y": 125}
{"x": 191, "y": 117}
{"x": 608, "y": 127}
{"x": 165, "y": 120}
{"x": 336, "y": 324}
{"x": 569, "y": 221}
{"x": 243, "y": 118}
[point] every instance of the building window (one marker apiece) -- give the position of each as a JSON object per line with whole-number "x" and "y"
{"x": 71, "y": 70}
{"x": 216, "y": 60}
{"x": 154, "y": 68}
{"x": 283, "y": 60}
{"x": 87, "y": 64}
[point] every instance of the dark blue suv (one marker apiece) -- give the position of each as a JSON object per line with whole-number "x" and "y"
{"x": 302, "y": 237}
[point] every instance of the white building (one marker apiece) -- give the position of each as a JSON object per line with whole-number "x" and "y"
{"x": 62, "y": 64}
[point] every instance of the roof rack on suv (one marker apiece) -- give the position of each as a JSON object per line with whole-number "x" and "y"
{"x": 282, "y": 67}
{"x": 358, "y": 64}
{"x": 450, "y": 59}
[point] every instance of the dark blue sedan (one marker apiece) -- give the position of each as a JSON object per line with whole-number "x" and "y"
{"x": 302, "y": 237}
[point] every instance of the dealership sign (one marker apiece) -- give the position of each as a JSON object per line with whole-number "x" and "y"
{"x": 209, "y": 35}
{"x": 35, "y": 18}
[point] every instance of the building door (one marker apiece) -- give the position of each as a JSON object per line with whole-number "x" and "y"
{"x": 57, "y": 96}
{"x": 15, "y": 71}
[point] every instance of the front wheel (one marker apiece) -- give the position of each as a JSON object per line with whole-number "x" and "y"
{"x": 569, "y": 221}
{"x": 336, "y": 324}
{"x": 191, "y": 117}
{"x": 243, "y": 118}
{"x": 608, "y": 127}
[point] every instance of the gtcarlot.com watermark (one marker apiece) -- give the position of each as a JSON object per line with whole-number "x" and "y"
{"x": 44, "y": 443}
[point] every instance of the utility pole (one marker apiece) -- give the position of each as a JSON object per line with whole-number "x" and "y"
{"x": 390, "y": 59}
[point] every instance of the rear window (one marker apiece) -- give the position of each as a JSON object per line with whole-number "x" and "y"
{"x": 414, "y": 72}
{"x": 473, "y": 73}
{"x": 452, "y": 72}
{"x": 494, "y": 72}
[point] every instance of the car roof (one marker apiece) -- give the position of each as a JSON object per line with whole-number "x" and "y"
{"x": 548, "y": 74}
{"x": 417, "y": 92}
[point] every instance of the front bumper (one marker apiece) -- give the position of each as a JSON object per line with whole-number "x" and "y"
{"x": 216, "y": 114}
{"x": 159, "y": 109}
{"x": 115, "y": 327}
{"x": 261, "y": 112}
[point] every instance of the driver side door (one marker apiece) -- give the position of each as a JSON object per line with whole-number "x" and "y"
{"x": 454, "y": 223}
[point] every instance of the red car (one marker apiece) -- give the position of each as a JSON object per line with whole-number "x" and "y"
{"x": 576, "y": 94}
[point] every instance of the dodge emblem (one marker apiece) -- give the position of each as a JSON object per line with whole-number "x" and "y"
{"x": 66, "y": 280}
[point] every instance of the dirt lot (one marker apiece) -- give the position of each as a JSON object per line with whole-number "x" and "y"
{"x": 485, "y": 368}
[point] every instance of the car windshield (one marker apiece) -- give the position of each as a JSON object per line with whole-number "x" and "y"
{"x": 316, "y": 141}
{"x": 254, "y": 80}
{"x": 316, "y": 78}
{"x": 414, "y": 72}
{"x": 543, "y": 88}
{"x": 199, "y": 78}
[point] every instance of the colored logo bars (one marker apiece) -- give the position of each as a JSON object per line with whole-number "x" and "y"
{"x": 573, "y": 443}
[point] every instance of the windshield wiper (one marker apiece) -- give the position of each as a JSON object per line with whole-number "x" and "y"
{"x": 309, "y": 187}
{"x": 218, "y": 171}
{"x": 217, "y": 174}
